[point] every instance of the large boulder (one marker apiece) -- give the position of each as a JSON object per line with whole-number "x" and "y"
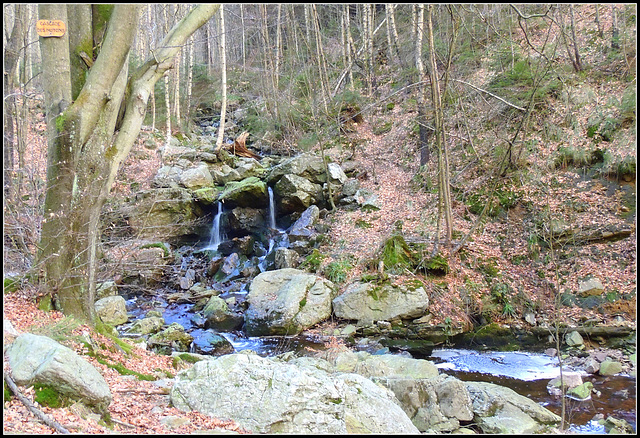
{"x": 295, "y": 193}
{"x": 267, "y": 396}
{"x": 196, "y": 177}
{"x": 287, "y": 301}
{"x": 246, "y": 220}
{"x": 502, "y": 410}
{"x": 39, "y": 359}
{"x": 112, "y": 310}
{"x": 173, "y": 338}
{"x": 307, "y": 165}
{"x": 368, "y": 302}
{"x": 218, "y": 316}
{"x": 436, "y": 404}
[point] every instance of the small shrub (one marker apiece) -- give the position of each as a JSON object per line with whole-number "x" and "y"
{"x": 396, "y": 254}
{"x": 337, "y": 271}
{"x": 313, "y": 261}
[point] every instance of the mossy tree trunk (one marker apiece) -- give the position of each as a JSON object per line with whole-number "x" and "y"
{"x": 85, "y": 147}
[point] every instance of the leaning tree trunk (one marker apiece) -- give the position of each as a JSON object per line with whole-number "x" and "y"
{"x": 85, "y": 151}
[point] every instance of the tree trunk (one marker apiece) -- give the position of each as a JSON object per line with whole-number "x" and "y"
{"x": 443, "y": 165}
{"x": 424, "y": 132}
{"x": 84, "y": 154}
{"x": 223, "y": 67}
{"x": 598, "y": 24}
{"x": 11, "y": 57}
{"x": 615, "y": 38}
{"x": 278, "y": 49}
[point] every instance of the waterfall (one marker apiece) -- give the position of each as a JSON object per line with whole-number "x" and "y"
{"x": 216, "y": 233}
{"x": 272, "y": 210}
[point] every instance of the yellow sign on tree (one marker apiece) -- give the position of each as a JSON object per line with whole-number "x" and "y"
{"x": 51, "y": 28}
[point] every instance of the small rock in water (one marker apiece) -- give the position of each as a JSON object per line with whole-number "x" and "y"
{"x": 591, "y": 365}
{"x": 551, "y": 352}
{"x": 610, "y": 368}
{"x": 581, "y": 392}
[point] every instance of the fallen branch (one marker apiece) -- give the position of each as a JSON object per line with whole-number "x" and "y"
{"x": 490, "y": 94}
{"x": 37, "y": 412}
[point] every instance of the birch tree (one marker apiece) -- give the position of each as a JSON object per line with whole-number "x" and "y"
{"x": 86, "y": 148}
{"x": 223, "y": 67}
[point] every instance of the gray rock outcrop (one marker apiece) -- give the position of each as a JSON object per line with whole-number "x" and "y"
{"x": 112, "y": 310}
{"x": 501, "y": 410}
{"x": 266, "y": 396}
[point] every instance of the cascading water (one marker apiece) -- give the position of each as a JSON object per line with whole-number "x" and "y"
{"x": 272, "y": 210}
{"x": 216, "y": 232}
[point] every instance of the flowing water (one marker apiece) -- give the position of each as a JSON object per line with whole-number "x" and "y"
{"x": 272, "y": 210}
{"x": 217, "y": 235}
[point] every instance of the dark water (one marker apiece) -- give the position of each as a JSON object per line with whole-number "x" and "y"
{"x": 529, "y": 373}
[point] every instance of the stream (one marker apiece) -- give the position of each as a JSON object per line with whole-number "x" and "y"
{"x": 527, "y": 373}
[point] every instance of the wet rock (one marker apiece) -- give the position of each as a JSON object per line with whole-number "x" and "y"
{"x": 501, "y": 410}
{"x": 212, "y": 344}
{"x": 614, "y": 425}
{"x": 569, "y": 379}
{"x": 246, "y": 220}
{"x": 250, "y": 192}
{"x": 591, "y": 365}
{"x": 219, "y": 317}
{"x": 286, "y": 258}
{"x": 581, "y": 392}
{"x": 112, "y": 310}
{"x": 146, "y": 326}
{"x": 173, "y": 338}
{"x": 295, "y": 193}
